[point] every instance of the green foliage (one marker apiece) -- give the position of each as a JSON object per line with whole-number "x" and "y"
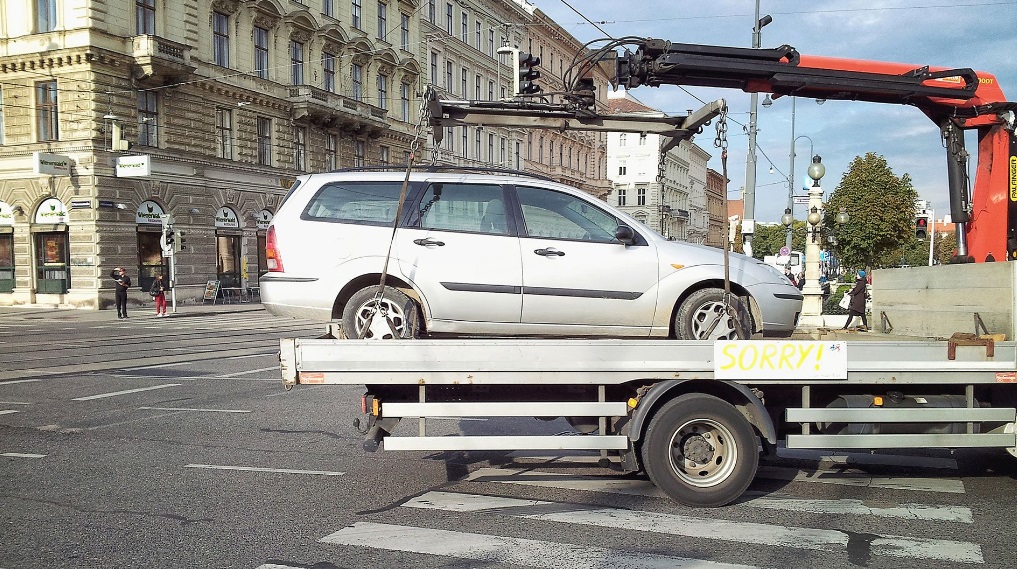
{"x": 881, "y": 207}
{"x": 768, "y": 239}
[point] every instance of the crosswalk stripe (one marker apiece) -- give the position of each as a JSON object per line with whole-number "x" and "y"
{"x": 125, "y": 392}
{"x": 507, "y": 550}
{"x": 259, "y": 469}
{"x": 616, "y": 485}
{"x": 689, "y": 526}
{"x": 7, "y": 412}
{"x": 850, "y": 477}
{"x": 22, "y": 455}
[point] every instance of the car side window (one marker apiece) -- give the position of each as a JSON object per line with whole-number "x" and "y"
{"x": 475, "y": 208}
{"x": 557, "y": 215}
{"x": 356, "y": 202}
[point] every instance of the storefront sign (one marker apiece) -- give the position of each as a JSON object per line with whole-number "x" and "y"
{"x": 149, "y": 213}
{"x": 51, "y": 164}
{"x": 6, "y": 215}
{"x": 133, "y": 166}
{"x": 81, "y": 204}
{"x": 51, "y": 211}
{"x": 264, "y": 219}
{"x": 226, "y": 218}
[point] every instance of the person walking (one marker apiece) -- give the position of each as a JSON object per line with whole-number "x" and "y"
{"x": 857, "y": 305}
{"x": 123, "y": 283}
{"x": 158, "y": 292}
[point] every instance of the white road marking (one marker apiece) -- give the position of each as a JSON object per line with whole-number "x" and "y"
{"x": 14, "y": 403}
{"x": 19, "y": 381}
{"x": 705, "y": 528}
{"x": 7, "y": 412}
{"x": 859, "y": 478}
{"x": 22, "y": 455}
{"x": 125, "y": 392}
{"x": 273, "y": 368}
{"x": 256, "y": 469}
{"x": 196, "y": 409}
{"x": 821, "y": 457}
{"x": 638, "y": 487}
{"x": 507, "y": 550}
{"x": 254, "y": 356}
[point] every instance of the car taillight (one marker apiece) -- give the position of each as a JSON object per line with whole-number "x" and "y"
{"x": 272, "y": 255}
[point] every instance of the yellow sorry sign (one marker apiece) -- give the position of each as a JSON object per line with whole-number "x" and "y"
{"x": 779, "y": 359}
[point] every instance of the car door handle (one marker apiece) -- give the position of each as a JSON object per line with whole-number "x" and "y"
{"x": 549, "y": 252}
{"x": 428, "y": 241}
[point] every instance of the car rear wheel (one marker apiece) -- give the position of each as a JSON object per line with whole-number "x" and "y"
{"x": 394, "y": 316}
{"x": 704, "y": 316}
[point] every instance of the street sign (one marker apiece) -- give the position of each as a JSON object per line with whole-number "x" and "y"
{"x": 801, "y": 200}
{"x": 785, "y": 251}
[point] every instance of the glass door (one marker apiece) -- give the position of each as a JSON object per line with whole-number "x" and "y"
{"x": 6, "y": 263}
{"x": 150, "y": 260}
{"x": 53, "y": 275}
{"x": 228, "y": 261}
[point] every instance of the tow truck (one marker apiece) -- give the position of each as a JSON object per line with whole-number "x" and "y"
{"x": 693, "y": 415}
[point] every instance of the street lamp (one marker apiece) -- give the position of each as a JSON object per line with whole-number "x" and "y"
{"x": 812, "y": 308}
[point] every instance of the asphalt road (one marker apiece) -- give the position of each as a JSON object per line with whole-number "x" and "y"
{"x": 169, "y": 442}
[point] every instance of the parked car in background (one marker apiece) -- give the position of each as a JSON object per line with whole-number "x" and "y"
{"x": 502, "y": 254}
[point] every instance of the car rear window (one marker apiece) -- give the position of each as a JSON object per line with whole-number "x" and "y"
{"x": 355, "y": 202}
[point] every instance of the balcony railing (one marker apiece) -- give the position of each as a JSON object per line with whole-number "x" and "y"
{"x": 332, "y": 110}
{"x": 156, "y": 56}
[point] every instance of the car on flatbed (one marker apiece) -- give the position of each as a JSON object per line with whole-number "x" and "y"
{"x": 501, "y": 253}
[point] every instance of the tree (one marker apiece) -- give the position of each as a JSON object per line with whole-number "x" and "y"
{"x": 881, "y": 207}
{"x": 768, "y": 239}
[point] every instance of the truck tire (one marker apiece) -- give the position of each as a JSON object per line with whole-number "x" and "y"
{"x": 700, "y": 451}
{"x": 702, "y": 308}
{"x": 395, "y": 306}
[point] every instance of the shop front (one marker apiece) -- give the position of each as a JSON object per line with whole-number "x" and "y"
{"x": 151, "y": 262}
{"x": 6, "y": 248}
{"x": 52, "y": 250}
{"x": 229, "y": 241}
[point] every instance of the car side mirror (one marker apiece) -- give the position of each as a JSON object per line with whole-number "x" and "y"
{"x": 625, "y": 235}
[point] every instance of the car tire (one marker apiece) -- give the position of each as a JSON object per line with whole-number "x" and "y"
{"x": 700, "y": 451}
{"x": 396, "y": 308}
{"x": 698, "y": 312}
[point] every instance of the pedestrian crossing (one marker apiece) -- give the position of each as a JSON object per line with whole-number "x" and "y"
{"x": 904, "y": 529}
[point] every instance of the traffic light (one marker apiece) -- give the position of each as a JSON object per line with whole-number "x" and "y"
{"x": 170, "y": 234}
{"x": 181, "y": 240}
{"x": 526, "y": 70}
{"x": 922, "y": 226}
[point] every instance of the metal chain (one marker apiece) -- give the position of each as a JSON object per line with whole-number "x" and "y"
{"x": 721, "y": 142}
{"x": 661, "y": 186}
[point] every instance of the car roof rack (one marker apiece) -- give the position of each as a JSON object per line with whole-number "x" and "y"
{"x": 436, "y": 168}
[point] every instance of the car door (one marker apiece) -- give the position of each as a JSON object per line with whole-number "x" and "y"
{"x": 576, "y": 273}
{"x": 461, "y": 251}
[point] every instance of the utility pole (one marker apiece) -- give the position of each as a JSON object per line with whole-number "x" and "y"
{"x": 749, "y": 204}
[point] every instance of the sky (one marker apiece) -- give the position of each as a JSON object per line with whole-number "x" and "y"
{"x": 979, "y": 34}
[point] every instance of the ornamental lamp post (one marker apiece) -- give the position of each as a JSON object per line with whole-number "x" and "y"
{"x": 812, "y": 308}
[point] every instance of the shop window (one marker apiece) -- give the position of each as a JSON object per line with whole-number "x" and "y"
{"x": 150, "y": 259}
{"x": 52, "y": 274}
{"x": 228, "y": 260}
{"x": 6, "y": 263}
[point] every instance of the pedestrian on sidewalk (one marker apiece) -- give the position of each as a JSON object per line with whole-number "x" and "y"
{"x": 123, "y": 284}
{"x": 857, "y": 306}
{"x": 158, "y": 292}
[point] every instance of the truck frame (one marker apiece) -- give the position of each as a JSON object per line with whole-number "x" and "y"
{"x": 693, "y": 414}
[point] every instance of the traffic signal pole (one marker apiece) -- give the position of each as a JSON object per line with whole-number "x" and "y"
{"x": 167, "y": 242}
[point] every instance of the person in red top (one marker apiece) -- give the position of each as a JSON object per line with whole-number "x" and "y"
{"x": 158, "y": 292}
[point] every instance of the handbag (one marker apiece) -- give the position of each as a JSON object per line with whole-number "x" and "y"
{"x": 845, "y": 301}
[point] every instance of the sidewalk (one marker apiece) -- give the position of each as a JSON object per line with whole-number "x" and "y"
{"x": 139, "y": 312}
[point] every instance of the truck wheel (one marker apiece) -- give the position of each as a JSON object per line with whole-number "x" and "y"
{"x": 395, "y": 306}
{"x": 704, "y": 309}
{"x": 700, "y": 451}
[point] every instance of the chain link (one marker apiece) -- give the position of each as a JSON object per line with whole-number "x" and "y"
{"x": 721, "y": 139}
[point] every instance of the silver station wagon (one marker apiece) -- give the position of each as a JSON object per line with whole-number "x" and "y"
{"x": 501, "y": 254}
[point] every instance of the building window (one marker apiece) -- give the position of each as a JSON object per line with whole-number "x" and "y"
{"x": 328, "y": 65}
{"x": 622, "y": 138}
{"x": 300, "y": 148}
{"x": 46, "y": 119}
{"x": 404, "y": 31}
{"x": 45, "y": 16}
{"x": 404, "y": 101}
{"x": 466, "y": 27}
{"x": 383, "y": 155}
{"x": 490, "y": 90}
{"x": 642, "y": 139}
{"x": 448, "y": 17}
{"x": 622, "y": 168}
{"x": 462, "y": 83}
{"x": 358, "y": 82}
{"x": 502, "y": 157}
{"x": 264, "y": 141}
{"x": 328, "y": 8}
{"x": 148, "y": 118}
{"x": 550, "y": 153}
{"x": 490, "y": 148}
{"x": 490, "y": 42}
{"x": 431, "y": 11}
{"x": 331, "y": 151}
{"x": 640, "y": 196}
{"x": 356, "y": 13}
{"x": 621, "y": 196}
{"x": 296, "y": 63}
{"x": 479, "y": 41}
{"x": 519, "y": 164}
{"x": 383, "y": 91}
{"x": 224, "y": 133}
{"x": 434, "y": 68}
{"x": 221, "y": 39}
{"x": 382, "y": 20}
{"x": 261, "y": 52}
{"x": 448, "y": 76}
{"x": 476, "y": 94}
{"x": 476, "y": 146}
{"x": 466, "y": 141}
{"x": 358, "y": 154}
{"x": 144, "y": 12}
{"x": 1, "y": 114}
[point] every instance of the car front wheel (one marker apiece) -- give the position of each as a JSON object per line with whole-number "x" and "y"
{"x": 392, "y": 316}
{"x": 704, "y": 316}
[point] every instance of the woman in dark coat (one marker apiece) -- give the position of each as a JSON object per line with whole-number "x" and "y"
{"x": 857, "y": 306}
